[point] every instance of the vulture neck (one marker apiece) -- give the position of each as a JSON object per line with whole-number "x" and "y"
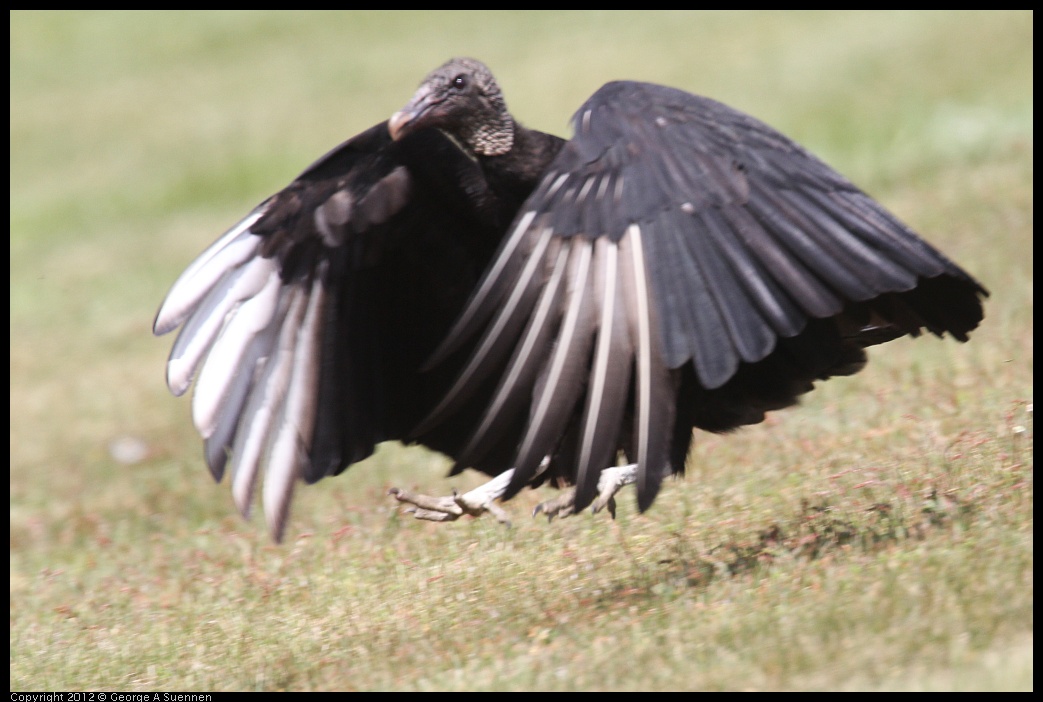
{"x": 514, "y": 175}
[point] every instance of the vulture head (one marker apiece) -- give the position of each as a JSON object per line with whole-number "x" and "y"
{"x": 462, "y": 99}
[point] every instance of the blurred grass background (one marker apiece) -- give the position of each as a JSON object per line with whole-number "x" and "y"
{"x": 878, "y": 537}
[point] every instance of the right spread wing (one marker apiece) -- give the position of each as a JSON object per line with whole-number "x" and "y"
{"x": 681, "y": 261}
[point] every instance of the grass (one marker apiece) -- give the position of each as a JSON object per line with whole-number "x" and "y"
{"x": 879, "y": 537}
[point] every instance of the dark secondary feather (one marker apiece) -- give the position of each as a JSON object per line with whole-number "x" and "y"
{"x": 503, "y": 296}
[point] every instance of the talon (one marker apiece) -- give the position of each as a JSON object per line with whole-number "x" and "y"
{"x": 560, "y": 506}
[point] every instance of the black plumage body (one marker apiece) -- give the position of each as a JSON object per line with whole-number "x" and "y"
{"x": 501, "y": 295}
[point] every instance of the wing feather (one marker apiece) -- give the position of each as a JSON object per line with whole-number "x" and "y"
{"x": 609, "y": 375}
{"x": 528, "y": 359}
{"x": 561, "y": 380}
{"x": 522, "y": 293}
{"x": 654, "y": 410}
{"x": 233, "y": 248}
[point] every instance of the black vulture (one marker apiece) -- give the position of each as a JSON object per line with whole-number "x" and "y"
{"x": 538, "y": 309}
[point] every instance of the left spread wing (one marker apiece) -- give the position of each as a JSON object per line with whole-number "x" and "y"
{"x": 305, "y": 324}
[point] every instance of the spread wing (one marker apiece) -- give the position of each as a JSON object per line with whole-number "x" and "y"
{"x": 672, "y": 254}
{"x": 304, "y": 326}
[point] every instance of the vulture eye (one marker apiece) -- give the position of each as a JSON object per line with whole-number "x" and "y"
{"x": 460, "y": 82}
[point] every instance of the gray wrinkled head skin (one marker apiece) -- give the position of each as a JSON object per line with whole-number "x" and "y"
{"x": 460, "y": 97}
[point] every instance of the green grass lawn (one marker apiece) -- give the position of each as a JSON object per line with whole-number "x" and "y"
{"x": 878, "y": 537}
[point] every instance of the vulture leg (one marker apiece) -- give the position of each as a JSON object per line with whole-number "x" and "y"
{"x": 482, "y": 499}
{"x": 475, "y": 502}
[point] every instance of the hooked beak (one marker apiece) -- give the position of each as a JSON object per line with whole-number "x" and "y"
{"x": 411, "y": 117}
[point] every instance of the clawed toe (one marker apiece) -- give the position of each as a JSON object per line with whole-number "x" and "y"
{"x": 426, "y": 507}
{"x": 565, "y": 506}
{"x": 561, "y": 506}
{"x": 451, "y": 507}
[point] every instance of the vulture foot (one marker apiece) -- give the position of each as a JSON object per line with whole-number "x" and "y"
{"x": 451, "y": 507}
{"x": 611, "y": 481}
